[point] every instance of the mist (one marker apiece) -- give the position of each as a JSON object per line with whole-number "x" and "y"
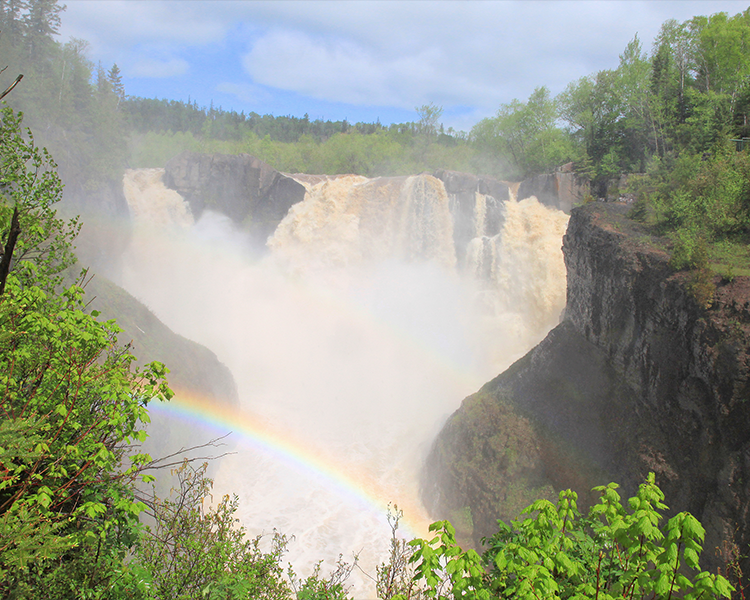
{"x": 352, "y": 340}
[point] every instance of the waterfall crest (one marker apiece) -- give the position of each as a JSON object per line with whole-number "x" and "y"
{"x": 152, "y": 203}
{"x": 349, "y": 220}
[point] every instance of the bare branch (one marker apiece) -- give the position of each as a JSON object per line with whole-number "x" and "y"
{"x": 161, "y": 462}
{"x": 11, "y": 86}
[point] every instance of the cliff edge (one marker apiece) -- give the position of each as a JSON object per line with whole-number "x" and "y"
{"x": 637, "y": 377}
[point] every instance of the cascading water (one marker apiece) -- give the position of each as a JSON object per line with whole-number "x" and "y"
{"x": 351, "y": 341}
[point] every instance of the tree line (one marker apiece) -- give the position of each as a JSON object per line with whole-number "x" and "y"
{"x": 684, "y": 95}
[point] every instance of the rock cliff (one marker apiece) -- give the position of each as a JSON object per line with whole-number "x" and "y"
{"x": 562, "y": 189}
{"x": 462, "y": 190}
{"x": 193, "y": 367}
{"x": 637, "y": 377}
{"x": 250, "y": 192}
{"x": 106, "y": 227}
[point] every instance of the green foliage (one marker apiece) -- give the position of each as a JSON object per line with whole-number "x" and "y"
{"x": 375, "y": 154}
{"x": 525, "y": 135}
{"x": 30, "y": 185}
{"x": 551, "y": 552}
{"x": 72, "y": 105}
{"x": 316, "y": 587}
{"x": 70, "y": 406}
{"x": 396, "y": 577}
{"x": 70, "y": 403}
{"x": 444, "y": 566}
{"x": 702, "y": 203}
{"x": 690, "y": 251}
{"x": 153, "y": 150}
{"x": 429, "y": 119}
{"x": 193, "y": 550}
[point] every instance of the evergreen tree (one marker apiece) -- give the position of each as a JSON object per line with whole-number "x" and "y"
{"x": 12, "y": 22}
{"x": 115, "y": 80}
{"x": 42, "y": 23}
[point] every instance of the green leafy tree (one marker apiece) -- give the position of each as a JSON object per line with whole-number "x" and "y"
{"x": 193, "y": 550}
{"x": 551, "y": 552}
{"x": 29, "y": 186}
{"x": 526, "y": 135}
{"x": 429, "y": 119}
{"x": 70, "y": 404}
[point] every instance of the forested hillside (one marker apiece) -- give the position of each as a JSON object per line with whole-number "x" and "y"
{"x": 677, "y": 96}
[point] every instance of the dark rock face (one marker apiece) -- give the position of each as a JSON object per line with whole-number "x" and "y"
{"x": 250, "y": 192}
{"x": 637, "y": 378}
{"x": 462, "y": 189}
{"x": 562, "y": 189}
{"x": 105, "y": 218}
{"x": 193, "y": 368}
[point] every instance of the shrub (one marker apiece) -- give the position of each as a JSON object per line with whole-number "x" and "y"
{"x": 552, "y": 552}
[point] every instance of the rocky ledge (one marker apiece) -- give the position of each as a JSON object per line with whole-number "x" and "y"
{"x": 253, "y": 194}
{"x": 637, "y": 377}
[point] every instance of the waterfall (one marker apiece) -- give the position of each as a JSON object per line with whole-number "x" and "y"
{"x": 151, "y": 203}
{"x": 481, "y": 214}
{"x": 352, "y": 340}
{"x": 351, "y": 219}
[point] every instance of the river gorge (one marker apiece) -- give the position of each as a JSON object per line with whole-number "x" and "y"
{"x": 355, "y": 314}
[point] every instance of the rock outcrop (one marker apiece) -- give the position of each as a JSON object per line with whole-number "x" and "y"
{"x": 462, "y": 190}
{"x": 106, "y": 227}
{"x": 638, "y": 377}
{"x": 193, "y": 367}
{"x": 253, "y": 194}
{"x": 562, "y": 189}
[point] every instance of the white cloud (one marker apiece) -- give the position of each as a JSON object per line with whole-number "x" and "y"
{"x": 475, "y": 55}
{"x": 115, "y": 26}
{"x": 403, "y": 54}
{"x": 149, "y": 67}
{"x": 332, "y": 69}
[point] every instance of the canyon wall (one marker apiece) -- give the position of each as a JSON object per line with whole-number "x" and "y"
{"x": 637, "y": 377}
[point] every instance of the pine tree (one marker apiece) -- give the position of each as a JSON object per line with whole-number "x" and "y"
{"x": 115, "y": 80}
{"x": 11, "y": 19}
{"x": 42, "y": 23}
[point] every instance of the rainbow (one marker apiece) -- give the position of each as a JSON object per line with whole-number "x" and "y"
{"x": 352, "y": 483}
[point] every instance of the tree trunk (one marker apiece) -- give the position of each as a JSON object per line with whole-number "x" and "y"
{"x": 10, "y": 244}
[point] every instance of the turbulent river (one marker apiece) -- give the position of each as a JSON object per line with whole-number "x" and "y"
{"x": 351, "y": 341}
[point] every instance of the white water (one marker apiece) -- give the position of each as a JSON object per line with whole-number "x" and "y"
{"x": 356, "y": 336}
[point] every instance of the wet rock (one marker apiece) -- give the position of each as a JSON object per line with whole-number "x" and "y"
{"x": 638, "y": 377}
{"x": 250, "y": 192}
{"x": 462, "y": 189}
{"x": 562, "y": 189}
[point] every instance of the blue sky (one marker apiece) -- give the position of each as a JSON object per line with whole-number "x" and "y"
{"x": 364, "y": 60}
